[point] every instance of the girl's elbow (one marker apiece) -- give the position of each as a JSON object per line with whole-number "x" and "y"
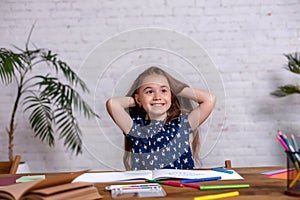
{"x": 109, "y": 104}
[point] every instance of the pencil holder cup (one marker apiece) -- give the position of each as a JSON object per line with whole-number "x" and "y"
{"x": 293, "y": 173}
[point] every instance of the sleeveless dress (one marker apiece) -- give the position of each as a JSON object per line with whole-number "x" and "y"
{"x": 156, "y": 145}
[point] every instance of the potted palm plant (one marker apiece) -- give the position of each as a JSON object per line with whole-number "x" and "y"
{"x": 293, "y": 66}
{"x": 49, "y": 95}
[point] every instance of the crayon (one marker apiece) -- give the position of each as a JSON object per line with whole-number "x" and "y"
{"x": 218, "y": 196}
{"x": 218, "y": 187}
{"x": 201, "y": 179}
{"x": 222, "y": 170}
{"x": 171, "y": 183}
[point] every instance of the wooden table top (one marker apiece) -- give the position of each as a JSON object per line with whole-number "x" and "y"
{"x": 261, "y": 187}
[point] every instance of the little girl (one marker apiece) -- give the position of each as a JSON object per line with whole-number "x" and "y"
{"x": 157, "y": 120}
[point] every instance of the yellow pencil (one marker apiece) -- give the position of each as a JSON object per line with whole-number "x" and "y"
{"x": 294, "y": 180}
{"x": 297, "y": 166}
{"x": 218, "y": 196}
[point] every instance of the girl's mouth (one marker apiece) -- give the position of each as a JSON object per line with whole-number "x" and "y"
{"x": 157, "y": 104}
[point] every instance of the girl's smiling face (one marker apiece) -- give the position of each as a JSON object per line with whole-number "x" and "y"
{"x": 154, "y": 95}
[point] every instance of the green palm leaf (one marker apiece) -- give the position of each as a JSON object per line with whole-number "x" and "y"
{"x": 63, "y": 95}
{"x": 293, "y": 62}
{"x": 65, "y": 102}
{"x": 69, "y": 130}
{"x": 293, "y": 66}
{"x": 41, "y": 118}
{"x": 286, "y": 90}
{"x": 59, "y": 65}
{"x": 9, "y": 61}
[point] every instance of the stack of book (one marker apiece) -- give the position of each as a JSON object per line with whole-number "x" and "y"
{"x": 52, "y": 188}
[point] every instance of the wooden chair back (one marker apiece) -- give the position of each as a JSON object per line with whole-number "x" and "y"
{"x": 10, "y": 167}
{"x": 228, "y": 164}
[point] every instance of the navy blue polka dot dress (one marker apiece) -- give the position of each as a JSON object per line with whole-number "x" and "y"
{"x": 156, "y": 145}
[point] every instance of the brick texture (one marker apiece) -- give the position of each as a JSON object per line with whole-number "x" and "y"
{"x": 245, "y": 41}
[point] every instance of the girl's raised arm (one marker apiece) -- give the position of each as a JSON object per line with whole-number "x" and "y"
{"x": 116, "y": 109}
{"x": 206, "y": 102}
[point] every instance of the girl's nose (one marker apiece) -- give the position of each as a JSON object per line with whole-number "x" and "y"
{"x": 157, "y": 96}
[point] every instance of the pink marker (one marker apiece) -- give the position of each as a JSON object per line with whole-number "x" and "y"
{"x": 193, "y": 185}
{"x": 283, "y": 143}
{"x": 172, "y": 183}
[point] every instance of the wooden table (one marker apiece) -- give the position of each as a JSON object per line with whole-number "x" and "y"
{"x": 261, "y": 187}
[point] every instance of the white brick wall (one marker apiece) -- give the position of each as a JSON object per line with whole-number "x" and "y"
{"x": 245, "y": 39}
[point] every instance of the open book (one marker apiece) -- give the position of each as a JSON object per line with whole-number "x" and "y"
{"x": 52, "y": 188}
{"x": 95, "y": 177}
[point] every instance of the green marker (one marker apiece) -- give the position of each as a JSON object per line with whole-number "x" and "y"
{"x": 218, "y": 187}
{"x": 154, "y": 181}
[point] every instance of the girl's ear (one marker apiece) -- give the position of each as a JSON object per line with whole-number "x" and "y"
{"x": 137, "y": 99}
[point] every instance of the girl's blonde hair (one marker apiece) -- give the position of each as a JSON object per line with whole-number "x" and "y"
{"x": 178, "y": 105}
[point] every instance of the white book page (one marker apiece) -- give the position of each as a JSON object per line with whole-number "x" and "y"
{"x": 98, "y": 177}
{"x": 192, "y": 174}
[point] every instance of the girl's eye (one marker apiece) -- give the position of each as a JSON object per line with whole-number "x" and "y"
{"x": 164, "y": 90}
{"x": 149, "y": 92}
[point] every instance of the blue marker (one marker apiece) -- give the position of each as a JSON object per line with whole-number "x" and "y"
{"x": 294, "y": 142}
{"x": 201, "y": 179}
{"x": 222, "y": 170}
